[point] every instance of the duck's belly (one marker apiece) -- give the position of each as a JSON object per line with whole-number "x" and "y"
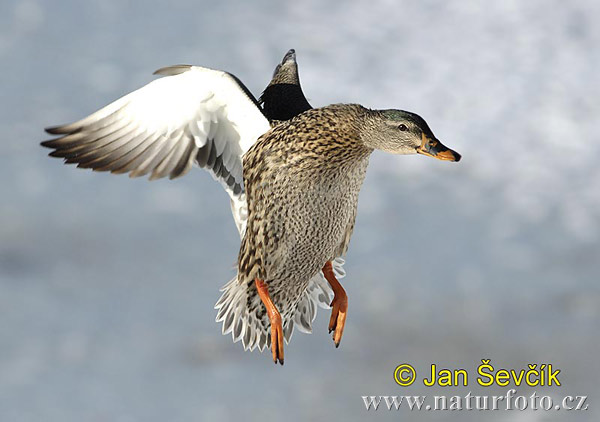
{"x": 313, "y": 224}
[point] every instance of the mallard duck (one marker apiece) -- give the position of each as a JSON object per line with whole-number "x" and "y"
{"x": 294, "y": 187}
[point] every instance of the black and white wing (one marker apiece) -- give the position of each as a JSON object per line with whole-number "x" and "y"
{"x": 193, "y": 115}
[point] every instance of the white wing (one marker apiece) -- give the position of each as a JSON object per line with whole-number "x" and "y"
{"x": 194, "y": 115}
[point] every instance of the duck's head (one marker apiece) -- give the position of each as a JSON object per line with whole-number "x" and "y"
{"x": 403, "y": 132}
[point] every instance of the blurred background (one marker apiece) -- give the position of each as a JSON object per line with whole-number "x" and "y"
{"x": 107, "y": 284}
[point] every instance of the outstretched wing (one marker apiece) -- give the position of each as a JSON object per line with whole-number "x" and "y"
{"x": 193, "y": 115}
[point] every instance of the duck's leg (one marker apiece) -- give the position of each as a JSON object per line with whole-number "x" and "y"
{"x": 339, "y": 304}
{"x": 274, "y": 318}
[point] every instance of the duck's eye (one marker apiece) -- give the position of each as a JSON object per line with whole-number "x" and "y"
{"x": 403, "y": 127}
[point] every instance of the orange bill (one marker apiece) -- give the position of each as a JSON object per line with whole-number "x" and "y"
{"x": 434, "y": 148}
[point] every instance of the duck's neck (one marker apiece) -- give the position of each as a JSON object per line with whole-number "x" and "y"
{"x": 330, "y": 138}
{"x": 345, "y": 145}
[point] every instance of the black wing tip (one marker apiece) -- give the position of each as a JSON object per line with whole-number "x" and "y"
{"x": 57, "y": 150}
{"x": 57, "y": 154}
{"x": 47, "y": 144}
{"x": 55, "y": 130}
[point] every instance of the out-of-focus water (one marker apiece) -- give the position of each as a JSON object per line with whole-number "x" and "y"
{"x": 107, "y": 284}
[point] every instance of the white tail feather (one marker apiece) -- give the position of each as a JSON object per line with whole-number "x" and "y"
{"x": 243, "y": 324}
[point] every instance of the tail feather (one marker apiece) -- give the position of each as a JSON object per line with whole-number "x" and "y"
{"x": 240, "y": 317}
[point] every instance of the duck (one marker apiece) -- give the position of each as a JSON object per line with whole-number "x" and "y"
{"x": 293, "y": 182}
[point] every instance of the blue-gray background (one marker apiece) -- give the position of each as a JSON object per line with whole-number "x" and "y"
{"x": 107, "y": 284}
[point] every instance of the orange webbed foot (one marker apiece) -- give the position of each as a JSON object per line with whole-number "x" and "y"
{"x": 274, "y": 318}
{"x": 339, "y": 305}
{"x": 277, "y": 339}
{"x": 338, "y": 318}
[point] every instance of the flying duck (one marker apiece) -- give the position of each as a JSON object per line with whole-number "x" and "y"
{"x": 293, "y": 174}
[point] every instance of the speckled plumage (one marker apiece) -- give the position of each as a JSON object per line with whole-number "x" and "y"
{"x": 302, "y": 181}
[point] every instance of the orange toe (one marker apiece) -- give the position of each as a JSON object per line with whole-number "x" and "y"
{"x": 339, "y": 305}
{"x": 274, "y": 318}
{"x": 277, "y": 339}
